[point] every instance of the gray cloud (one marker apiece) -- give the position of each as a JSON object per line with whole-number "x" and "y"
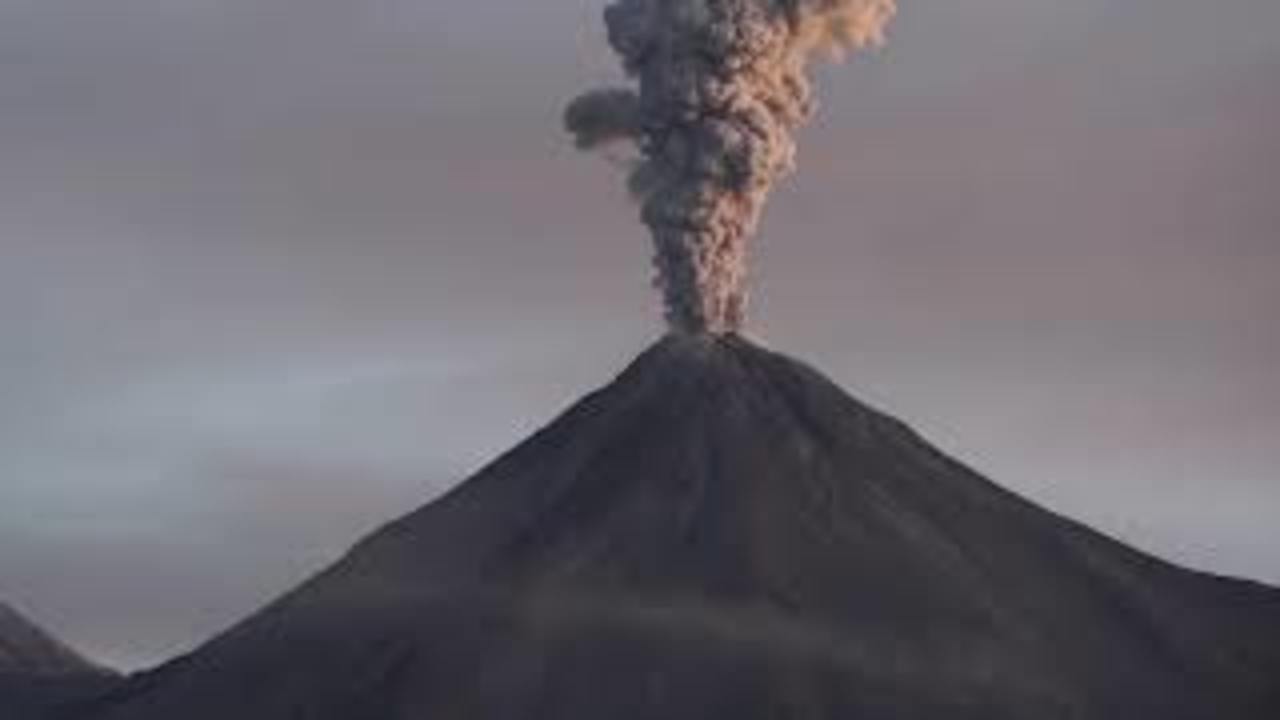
{"x": 720, "y": 91}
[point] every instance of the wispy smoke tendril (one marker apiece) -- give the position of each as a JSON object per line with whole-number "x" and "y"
{"x": 721, "y": 91}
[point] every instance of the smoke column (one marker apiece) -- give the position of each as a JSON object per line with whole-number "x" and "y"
{"x": 721, "y": 91}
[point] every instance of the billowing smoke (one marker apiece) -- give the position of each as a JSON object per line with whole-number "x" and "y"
{"x": 721, "y": 91}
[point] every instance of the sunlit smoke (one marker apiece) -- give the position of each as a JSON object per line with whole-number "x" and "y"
{"x": 721, "y": 90}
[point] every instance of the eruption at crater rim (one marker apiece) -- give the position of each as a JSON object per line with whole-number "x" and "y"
{"x": 721, "y": 88}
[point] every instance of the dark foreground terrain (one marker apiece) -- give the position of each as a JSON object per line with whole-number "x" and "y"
{"x": 38, "y": 674}
{"x": 721, "y": 533}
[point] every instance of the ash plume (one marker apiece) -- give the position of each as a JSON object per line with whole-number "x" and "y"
{"x": 721, "y": 90}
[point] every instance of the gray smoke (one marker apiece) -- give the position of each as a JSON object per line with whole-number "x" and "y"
{"x": 721, "y": 91}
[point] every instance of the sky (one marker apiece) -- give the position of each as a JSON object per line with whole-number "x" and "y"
{"x": 274, "y": 272}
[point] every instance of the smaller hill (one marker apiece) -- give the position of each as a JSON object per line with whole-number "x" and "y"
{"x": 25, "y": 649}
{"x": 38, "y": 672}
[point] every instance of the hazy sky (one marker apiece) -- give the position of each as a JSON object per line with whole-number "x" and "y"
{"x": 273, "y": 272}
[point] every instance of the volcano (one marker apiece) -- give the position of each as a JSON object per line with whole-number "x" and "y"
{"x": 38, "y": 672}
{"x": 722, "y": 533}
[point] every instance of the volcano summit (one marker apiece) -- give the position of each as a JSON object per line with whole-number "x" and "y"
{"x": 723, "y": 534}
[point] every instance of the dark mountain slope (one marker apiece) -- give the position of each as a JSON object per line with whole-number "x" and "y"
{"x": 723, "y": 533}
{"x": 26, "y": 649}
{"x": 37, "y": 672}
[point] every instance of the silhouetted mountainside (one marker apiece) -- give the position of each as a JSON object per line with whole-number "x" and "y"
{"x": 722, "y": 533}
{"x": 26, "y": 649}
{"x": 37, "y": 672}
